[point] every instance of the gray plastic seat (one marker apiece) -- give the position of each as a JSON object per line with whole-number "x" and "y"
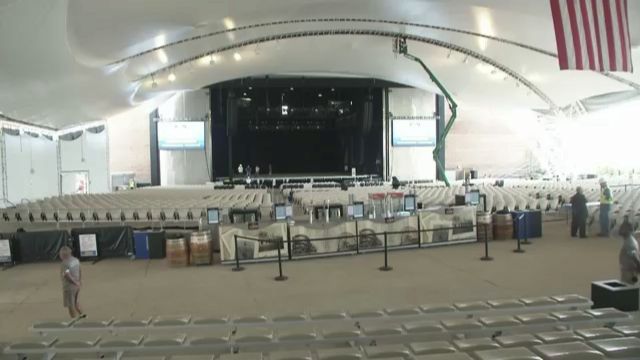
{"x": 340, "y": 331}
{"x": 382, "y": 330}
{"x": 289, "y": 318}
{"x": 402, "y": 311}
{"x": 366, "y": 314}
{"x": 132, "y": 323}
{"x": 505, "y": 304}
{"x": 171, "y": 320}
{"x": 568, "y": 351}
{"x": 210, "y": 321}
{"x": 628, "y": 347}
{"x": 507, "y": 354}
{"x": 628, "y": 330}
{"x": 254, "y": 334}
{"x": 432, "y": 347}
{"x": 422, "y": 327}
{"x": 518, "y": 340}
{"x": 437, "y": 308}
{"x": 476, "y": 344}
{"x": 570, "y": 316}
{"x": 394, "y": 351}
{"x": 297, "y": 332}
{"x": 81, "y": 342}
{"x": 472, "y": 306}
{"x": 251, "y": 319}
{"x": 217, "y": 337}
{"x": 536, "y": 319}
{"x": 90, "y": 324}
{"x": 290, "y": 355}
{"x": 32, "y": 344}
{"x": 538, "y": 301}
{"x": 461, "y": 324}
{"x": 328, "y": 316}
{"x": 571, "y": 299}
{"x": 597, "y": 333}
{"x": 50, "y": 325}
{"x": 499, "y": 321}
{"x": 120, "y": 341}
{"x": 339, "y": 354}
{"x": 453, "y": 356}
{"x": 164, "y": 340}
{"x": 607, "y": 314}
{"x": 556, "y": 337}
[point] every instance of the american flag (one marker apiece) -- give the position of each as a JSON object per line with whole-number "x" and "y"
{"x": 592, "y": 34}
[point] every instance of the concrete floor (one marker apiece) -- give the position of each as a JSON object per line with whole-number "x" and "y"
{"x": 555, "y": 264}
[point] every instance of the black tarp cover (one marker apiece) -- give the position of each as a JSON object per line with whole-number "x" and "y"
{"x": 113, "y": 241}
{"x": 39, "y": 245}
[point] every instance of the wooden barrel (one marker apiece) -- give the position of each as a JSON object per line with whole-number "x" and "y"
{"x": 200, "y": 246}
{"x": 177, "y": 252}
{"x": 502, "y": 227}
{"x": 485, "y": 228}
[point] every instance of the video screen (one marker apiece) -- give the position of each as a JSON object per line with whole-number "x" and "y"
{"x": 409, "y": 203}
{"x": 420, "y": 132}
{"x": 472, "y": 198}
{"x": 181, "y": 135}
{"x": 213, "y": 216}
{"x": 358, "y": 210}
{"x": 281, "y": 212}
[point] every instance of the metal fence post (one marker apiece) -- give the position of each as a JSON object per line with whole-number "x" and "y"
{"x": 486, "y": 256}
{"x": 235, "y": 245}
{"x": 280, "y": 277}
{"x": 386, "y": 266}
{"x": 519, "y": 250}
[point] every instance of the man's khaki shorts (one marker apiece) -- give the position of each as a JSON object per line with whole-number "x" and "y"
{"x": 70, "y": 297}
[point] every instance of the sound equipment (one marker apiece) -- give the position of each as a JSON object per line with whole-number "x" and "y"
{"x": 232, "y": 113}
{"x": 367, "y": 114}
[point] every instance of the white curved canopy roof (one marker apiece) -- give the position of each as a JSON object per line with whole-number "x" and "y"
{"x": 65, "y": 62}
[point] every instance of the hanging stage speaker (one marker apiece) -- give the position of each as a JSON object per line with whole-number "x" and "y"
{"x": 232, "y": 113}
{"x": 367, "y": 114}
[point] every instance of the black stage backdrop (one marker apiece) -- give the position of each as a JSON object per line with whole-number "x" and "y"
{"x": 302, "y": 126}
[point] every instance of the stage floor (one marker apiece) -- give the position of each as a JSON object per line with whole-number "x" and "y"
{"x": 335, "y": 175}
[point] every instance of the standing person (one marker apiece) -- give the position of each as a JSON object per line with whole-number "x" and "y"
{"x": 257, "y": 170}
{"x": 71, "y": 282}
{"x": 579, "y": 213}
{"x": 629, "y": 257}
{"x": 240, "y": 169}
{"x": 606, "y": 200}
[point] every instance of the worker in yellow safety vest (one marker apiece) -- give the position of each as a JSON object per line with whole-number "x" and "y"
{"x": 606, "y": 200}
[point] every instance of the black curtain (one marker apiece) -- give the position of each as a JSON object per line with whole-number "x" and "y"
{"x": 113, "y": 241}
{"x": 39, "y": 245}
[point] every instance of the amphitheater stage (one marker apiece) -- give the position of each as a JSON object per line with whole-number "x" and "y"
{"x": 307, "y": 177}
{"x": 135, "y": 289}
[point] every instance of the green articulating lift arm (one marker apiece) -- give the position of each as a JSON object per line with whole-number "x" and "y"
{"x": 452, "y": 106}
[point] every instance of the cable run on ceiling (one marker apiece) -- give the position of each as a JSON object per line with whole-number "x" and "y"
{"x": 361, "y": 32}
{"x": 321, "y": 20}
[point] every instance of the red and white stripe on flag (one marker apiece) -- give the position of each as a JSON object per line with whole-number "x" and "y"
{"x": 592, "y": 34}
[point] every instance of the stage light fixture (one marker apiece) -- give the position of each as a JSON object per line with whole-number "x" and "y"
{"x": 244, "y": 94}
{"x": 291, "y": 88}
{"x": 250, "y": 87}
{"x": 319, "y": 95}
{"x": 172, "y": 77}
{"x": 332, "y": 89}
{"x": 237, "y": 56}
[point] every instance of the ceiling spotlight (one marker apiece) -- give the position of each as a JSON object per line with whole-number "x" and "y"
{"x": 250, "y": 87}
{"x": 172, "y": 77}
{"x": 237, "y": 56}
{"x": 466, "y": 59}
{"x": 449, "y": 54}
{"x": 244, "y": 94}
{"x": 319, "y": 95}
{"x": 212, "y": 60}
{"x": 291, "y": 88}
{"x": 332, "y": 89}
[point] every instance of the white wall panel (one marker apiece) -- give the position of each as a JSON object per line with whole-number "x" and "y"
{"x": 32, "y": 167}
{"x": 186, "y": 167}
{"x": 411, "y": 163}
{"x": 88, "y": 153}
{"x": 129, "y": 143}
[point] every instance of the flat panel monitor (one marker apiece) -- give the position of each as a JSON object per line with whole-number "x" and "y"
{"x": 280, "y": 211}
{"x": 358, "y": 210}
{"x": 181, "y": 135}
{"x": 472, "y": 198}
{"x": 409, "y": 203}
{"x": 418, "y": 132}
{"x": 213, "y": 216}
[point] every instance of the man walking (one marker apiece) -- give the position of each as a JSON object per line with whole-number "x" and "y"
{"x": 606, "y": 200}
{"x": 71, "y": 282}
{"x": 579, "y": 214}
